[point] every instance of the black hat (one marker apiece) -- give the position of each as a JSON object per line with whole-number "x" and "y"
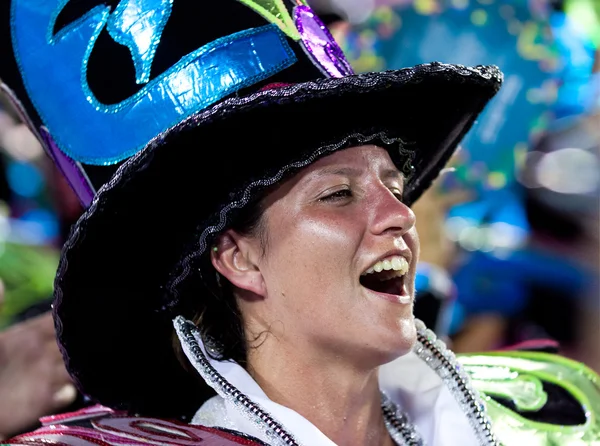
{"x": 225, "y": 98}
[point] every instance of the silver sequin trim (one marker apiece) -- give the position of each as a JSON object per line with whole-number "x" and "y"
{"x": 436, "y": 355}
{"x": 400, "y": 429}
{"x": 189, "y": 337}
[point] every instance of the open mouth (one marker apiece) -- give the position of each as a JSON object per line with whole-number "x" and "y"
{"x": 387, "y": 277}
{"x": 379, "y": 283}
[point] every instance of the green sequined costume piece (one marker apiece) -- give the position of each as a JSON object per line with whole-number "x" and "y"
{"x": 519, "y": 377}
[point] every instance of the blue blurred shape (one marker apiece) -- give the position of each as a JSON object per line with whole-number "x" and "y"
{"x": 488, "y": 283}
{"x": 24, "y": 179}
{"x": 35, "y": 227}
{"x": 578, "y": 92}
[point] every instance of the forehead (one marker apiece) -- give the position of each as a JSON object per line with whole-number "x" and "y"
{"x": 363, "y": 159}
{"x": 354, "y": 161}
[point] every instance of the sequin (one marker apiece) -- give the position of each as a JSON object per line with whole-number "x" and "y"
{"x": 320, "y": 45}
{"x": 301, "y": 93}
{"x": 401, "y": 430}
{"x": 524, "y": 375}
{"x": 190, "y": 340}
{"x": 445, "y": 364}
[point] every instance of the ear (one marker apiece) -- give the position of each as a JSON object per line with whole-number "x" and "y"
{"x": 235, "y": 257}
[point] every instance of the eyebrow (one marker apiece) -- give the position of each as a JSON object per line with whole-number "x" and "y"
{"x": 388, "y": 174}
{"x": 342, "y": 171}
{"x": 393, "y": 174}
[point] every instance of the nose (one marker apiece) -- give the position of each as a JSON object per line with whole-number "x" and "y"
{"x": 388, "y": 214}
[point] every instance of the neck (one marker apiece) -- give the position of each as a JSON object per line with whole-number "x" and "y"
{"x": 341, "y": 400}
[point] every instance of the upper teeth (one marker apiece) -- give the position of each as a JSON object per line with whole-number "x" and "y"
{"x": 396, "y": 263}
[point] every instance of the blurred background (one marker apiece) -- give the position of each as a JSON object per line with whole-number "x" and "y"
{"x": 510, "y": 234}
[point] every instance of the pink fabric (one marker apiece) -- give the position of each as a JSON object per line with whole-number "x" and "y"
{"x": 111, "y": 429}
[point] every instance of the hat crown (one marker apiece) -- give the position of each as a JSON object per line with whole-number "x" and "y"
{"x": 238, "y": 44}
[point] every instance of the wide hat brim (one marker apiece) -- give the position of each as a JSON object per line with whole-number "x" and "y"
{"x": 130, "y": 263}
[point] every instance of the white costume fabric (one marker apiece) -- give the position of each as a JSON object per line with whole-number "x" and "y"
{"x": 408, "y": 382}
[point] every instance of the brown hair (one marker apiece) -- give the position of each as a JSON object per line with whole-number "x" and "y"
{"x": 217, "y": 315}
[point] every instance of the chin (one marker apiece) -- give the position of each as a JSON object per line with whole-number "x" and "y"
{"x": 395, "y": 341}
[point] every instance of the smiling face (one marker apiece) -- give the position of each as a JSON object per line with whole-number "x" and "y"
{"x": 339, "y": 267}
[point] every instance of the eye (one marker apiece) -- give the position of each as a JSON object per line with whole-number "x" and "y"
{"x": 397, "y": 193}
{"x": 337, "y": 195}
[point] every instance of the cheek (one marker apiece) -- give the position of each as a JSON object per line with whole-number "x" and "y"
{"x": 412, "y": 240}
{"x": 313, "y": 254}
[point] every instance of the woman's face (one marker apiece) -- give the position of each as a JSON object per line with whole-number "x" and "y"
{"x": 329, "y": 230}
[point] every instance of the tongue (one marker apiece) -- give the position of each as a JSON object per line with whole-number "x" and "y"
{"x": 389, "y": 286}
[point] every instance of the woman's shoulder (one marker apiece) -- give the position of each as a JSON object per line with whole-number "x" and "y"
{"x": 537, "y": 395}
{"x": 101, "y": 426}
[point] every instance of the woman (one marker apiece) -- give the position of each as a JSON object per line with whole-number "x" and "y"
{"x": 338, "y": 230}
{"x": 267, "y": 236}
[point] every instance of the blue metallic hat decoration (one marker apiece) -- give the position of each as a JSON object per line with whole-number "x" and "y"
{"x": 54, "y": 69}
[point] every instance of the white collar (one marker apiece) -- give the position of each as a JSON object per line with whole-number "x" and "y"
{"x": 413, "y": 383}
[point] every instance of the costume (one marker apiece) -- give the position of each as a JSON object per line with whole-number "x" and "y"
{"x": 524, "y": 381}
{"x": 274, "y": 82}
